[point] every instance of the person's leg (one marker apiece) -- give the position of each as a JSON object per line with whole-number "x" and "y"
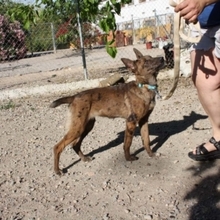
{"x": 206, "y": 77}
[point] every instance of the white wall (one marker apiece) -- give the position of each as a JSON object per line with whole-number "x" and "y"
{"x": 144, "y": 10}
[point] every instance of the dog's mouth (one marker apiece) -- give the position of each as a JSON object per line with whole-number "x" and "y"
{"x": 162, "y": 66}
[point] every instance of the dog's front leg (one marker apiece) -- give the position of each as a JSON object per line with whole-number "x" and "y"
{"x": 129, "y": 133}
{"x": 144, "y": 130}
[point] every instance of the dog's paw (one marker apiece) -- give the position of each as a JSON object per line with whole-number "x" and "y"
{"x": 58, "y": 172}
{"x": 151, "y": 154}
{"x": 155, "y": 155}
{"x": 131, "y": 158}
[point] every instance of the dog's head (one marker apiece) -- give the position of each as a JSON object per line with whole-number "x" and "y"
{"x": 145, "y": 68}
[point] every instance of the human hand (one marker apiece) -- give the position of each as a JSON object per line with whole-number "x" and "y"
{"x": 190, "y": 9}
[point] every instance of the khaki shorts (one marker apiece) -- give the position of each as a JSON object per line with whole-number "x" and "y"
{"x": 210, "y": 39}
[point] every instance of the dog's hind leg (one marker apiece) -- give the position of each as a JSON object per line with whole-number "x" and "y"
{"x": 74, "y": 135}
{"x": 77, "y": 146}
{"x": 70, "y": 137}
{"x": 129, "y": 133}
{"x": 144, "y": 130}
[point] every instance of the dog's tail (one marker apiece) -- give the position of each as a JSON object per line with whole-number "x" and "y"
{"x": 65, "y": 100}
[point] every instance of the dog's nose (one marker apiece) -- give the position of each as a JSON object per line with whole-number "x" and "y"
{"x": 161, "y": 59}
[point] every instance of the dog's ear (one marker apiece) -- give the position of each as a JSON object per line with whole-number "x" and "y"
{"x": 128, "y": 63}
{"x": 137, "y": 53}
{"x": 148, "y": 57}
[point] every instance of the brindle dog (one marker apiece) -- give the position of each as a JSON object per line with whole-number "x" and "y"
{"x": 133, "y": 101}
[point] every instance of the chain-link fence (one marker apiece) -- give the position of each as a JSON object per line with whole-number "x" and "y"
{"x": 149, "y": 30}
{"x": 49, "y": 46}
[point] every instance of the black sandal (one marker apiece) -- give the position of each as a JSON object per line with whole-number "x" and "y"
{"x": 202, "y": 154}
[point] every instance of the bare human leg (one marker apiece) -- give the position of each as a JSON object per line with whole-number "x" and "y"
{"x": 206, "y": 77}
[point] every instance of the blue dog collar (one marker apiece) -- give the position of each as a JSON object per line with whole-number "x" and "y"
{"x": 151, "y": 87}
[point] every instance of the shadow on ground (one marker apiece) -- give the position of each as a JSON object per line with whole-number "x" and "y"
{"x": 206, "y": 193}
{"x": 156, "y": 129}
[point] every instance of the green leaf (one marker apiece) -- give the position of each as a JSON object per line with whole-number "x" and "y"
{"x": 109, "y": 43}
{"x": 110, "y": 15}
{"x": 104, "y": 25}
{"x": 111, "y": 50}
{"x": 27, "y": 25}
{"x": 126, "y": 1}
{"x": 113, "y": 2}
{"x": 117, "y": 8}
{"x": 37, "y": 13}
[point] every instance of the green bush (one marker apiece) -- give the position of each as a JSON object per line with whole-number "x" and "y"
{"x": 12, "y": 39}
{"x": 39, "y": 38}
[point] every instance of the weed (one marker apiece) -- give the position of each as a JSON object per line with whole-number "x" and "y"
{"x": 8, "y": 105}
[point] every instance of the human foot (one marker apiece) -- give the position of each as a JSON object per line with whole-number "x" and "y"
{"x": 209, "y": 151}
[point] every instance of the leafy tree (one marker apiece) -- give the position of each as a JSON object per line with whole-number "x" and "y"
{"x": 5, "y": 5}
{"x": 93, "y": 11}
{"x": 57, "y": 11}
{"x": 98, "y": 12}
{"x": 25, "y": 14}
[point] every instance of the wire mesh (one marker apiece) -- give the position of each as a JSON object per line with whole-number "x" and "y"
{"x": 46, "y": 47}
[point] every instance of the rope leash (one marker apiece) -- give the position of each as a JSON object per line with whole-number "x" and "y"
{"x": 179, "y": 26}
{"x": 182, "y": 24}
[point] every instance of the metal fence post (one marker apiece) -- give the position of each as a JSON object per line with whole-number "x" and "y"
{"x": 133, "y": 30}
{"x": 81, "y": 41}
{"x": 53, "y": 37}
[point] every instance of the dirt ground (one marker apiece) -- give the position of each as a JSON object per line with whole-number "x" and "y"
{"x": 169, "y": 186}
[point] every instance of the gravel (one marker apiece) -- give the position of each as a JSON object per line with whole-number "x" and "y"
{"x": 169, "y": 186}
